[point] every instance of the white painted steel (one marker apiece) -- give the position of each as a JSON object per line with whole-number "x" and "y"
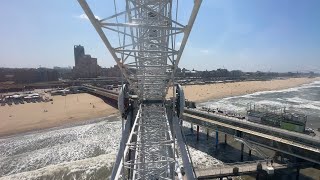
{"x": 147, "y": 43}
{"x": 180, "y": 100}
{"x": 147, "y": 55}
{"x": 123, "y": 100}
{"x": 153, "y": 158}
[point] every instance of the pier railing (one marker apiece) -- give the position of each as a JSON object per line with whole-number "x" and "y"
{"x": 237, "y": 168}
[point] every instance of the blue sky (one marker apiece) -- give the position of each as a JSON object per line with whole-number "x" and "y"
{"x": 250, "y": 35}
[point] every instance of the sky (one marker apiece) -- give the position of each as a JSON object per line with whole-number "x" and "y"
{"x": 249, "y": 35}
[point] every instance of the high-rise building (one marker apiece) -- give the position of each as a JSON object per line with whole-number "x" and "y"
{"x": 78, "y": 53}
{"x": 85, "y": 65}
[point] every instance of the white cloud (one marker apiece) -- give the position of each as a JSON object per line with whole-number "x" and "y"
{"x": 204, "y": 51}
{"x": 84, "y": 16}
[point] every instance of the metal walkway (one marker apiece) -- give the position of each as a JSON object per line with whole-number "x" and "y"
{"x": 151, "y": 145}
{"x": 237, "y": 169}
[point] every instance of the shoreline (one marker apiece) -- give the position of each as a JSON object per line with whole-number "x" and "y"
{"x": 77, "y": 108}
{"x": 71, "y": 124}
{"x": 63, "y": 110}
{"x": 209, "y": 92}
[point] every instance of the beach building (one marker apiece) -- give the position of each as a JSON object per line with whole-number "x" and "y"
{"x": 277, "y": 117}
{"x": 85, "y": 65}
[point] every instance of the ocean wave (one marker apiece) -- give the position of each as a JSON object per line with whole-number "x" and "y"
{"x": 271, "y": 103}
{"x": 315, "y": 84}
{"x": 203, "y": 160}
{"x": 98, "y": 167}
{"x": 301, "y": 100}
{"x": 240, "y": 105}
{"x": 296, "y": 100}
{"x": 243, "y": 100}
{"x": 307, "y": 106}
{"x": 227, "y": 104}
{"x": 80, "y": 152}
{"x": 255, "y": 94}
{"x": 304, "y": 103}
{"x": 294, "y": 89}
{"x": 252, "y": 96}
{"x": 35, "y": 151}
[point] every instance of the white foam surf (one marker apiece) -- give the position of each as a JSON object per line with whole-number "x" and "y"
{"x": 34, "y": 151}
{"x": 80, "y": 152}
{"x": 239, "y": 103}
{"x": 90, "y": 168}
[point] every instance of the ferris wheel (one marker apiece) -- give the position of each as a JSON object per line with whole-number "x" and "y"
{"x": 146, "y": 38}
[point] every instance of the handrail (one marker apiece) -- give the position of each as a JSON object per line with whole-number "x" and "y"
{"x": 244, "y": 165}
{"x": 185, "y": 141}
{"x": 273, "y": 129}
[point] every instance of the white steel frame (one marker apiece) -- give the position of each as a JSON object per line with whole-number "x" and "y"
{"x": 148, "y": 57}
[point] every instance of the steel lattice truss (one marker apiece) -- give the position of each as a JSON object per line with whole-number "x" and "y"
{"x": 147, "y": 55}
{"x": 146, "y": 51}
{"x": 153, "y": 147}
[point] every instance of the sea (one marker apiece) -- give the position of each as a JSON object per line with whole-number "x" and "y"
{"x": 304, "y": 99}
{"x": 72, "y": 152}
{"x": 88, "y": 150}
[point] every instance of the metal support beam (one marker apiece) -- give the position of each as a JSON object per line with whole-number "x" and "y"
{"x": 298, "y": 173}
{"x": 124, "y": 139}
{"x": 258, "y": 175}
{"x": 225, "y": 138}
{"x": 242, "y": 148}
{"x": 191, "y": 128}
{"x": 195, "y": 10}
{"x": 103, "y": 37}
{"x": 186, "y": 159}
{"x": 217, "y": 139}
{"x": 197, "y": 133}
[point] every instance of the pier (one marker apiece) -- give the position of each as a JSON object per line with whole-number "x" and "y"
{"x": 294, "y": 144}
{"x": 301, "y": 147}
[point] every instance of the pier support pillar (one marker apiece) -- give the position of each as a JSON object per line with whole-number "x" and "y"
{"x": 191, "y": 128}
{"x": 242, "y": 147}
{"x": 249, "y": 152}
{"x": 225, "y": 138}
{"x": 298, "y": 173}
{"x": 258, "y": 176}
{"x": 207, "y": 133}
{"x": 281, "y": 157}
{"x": 217, "y": 138}
{"x": 197, "y": 132}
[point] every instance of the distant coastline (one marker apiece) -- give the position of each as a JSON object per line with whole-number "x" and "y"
{"x": 206, "y": 92}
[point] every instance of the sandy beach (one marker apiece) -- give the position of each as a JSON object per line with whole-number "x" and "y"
{"x": 202, "y": 93}
{"x": 79, "y": 107}
{"x": 63, "y": 109}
